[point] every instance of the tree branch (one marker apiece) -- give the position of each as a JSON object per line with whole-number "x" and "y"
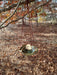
{"x": 12, "y": 14}
{"x": 25, "y": 14}
{"x": 14, "y": 5}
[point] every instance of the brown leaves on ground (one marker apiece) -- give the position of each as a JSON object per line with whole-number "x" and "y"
{"x": 43, "y": 63}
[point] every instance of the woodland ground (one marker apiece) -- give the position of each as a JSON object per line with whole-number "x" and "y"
{"x": 43, "y": 63}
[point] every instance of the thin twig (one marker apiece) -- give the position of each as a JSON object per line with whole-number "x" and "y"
{"x": 12, "y": 14}
{"x": 25, "y": 14}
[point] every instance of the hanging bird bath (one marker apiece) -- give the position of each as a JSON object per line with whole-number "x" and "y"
{"x": 29, "y": 49}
